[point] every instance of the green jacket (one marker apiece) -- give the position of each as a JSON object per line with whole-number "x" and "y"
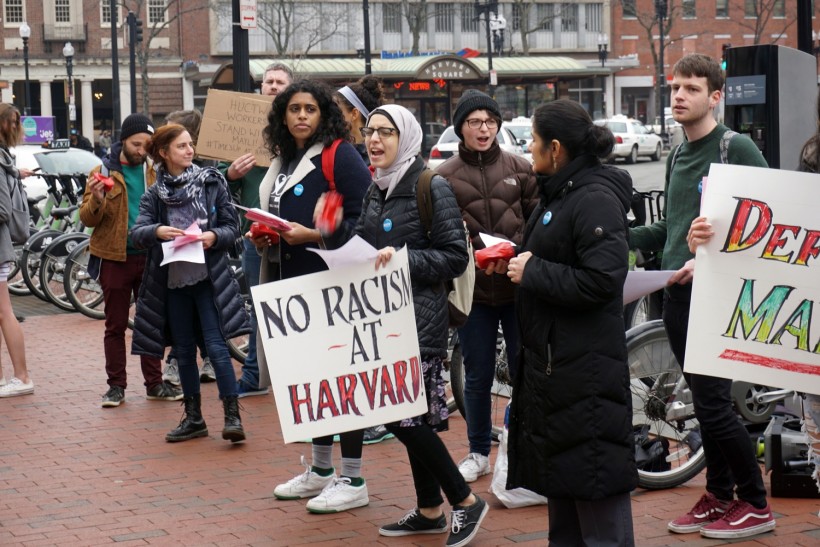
{"x": 245, "y": 190}
{"x": 682, "y": 194}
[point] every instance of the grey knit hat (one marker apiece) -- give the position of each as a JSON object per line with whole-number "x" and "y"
{"x": 136, "y": 123}
{"x": 472, "y": 100}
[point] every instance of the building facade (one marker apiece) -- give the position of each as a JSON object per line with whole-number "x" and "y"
{"x": 186, "y": 42}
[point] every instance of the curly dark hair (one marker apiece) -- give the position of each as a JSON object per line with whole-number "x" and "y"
{"x": 332, "y": 126}
{"x": 369, "y": 89}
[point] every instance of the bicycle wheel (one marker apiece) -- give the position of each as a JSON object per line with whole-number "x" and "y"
{"x": 17, "y": 286}
{"x": 30, "y": 260}
{"x": 52, "y": 268}
{"x": 501, "y": 392}
{"x": 668, "y": 444}
{"x": 84, "y": 292}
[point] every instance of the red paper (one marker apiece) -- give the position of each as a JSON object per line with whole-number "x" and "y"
{"x": 108, "y": 182}
{"x": 326, "y": 223}
{"x": 268, "y": 219}
{"x": 258, "y": 230}
{"x": 499, "y": 251}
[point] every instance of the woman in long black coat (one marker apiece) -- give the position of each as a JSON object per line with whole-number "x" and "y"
{"x": 571, "y": 416}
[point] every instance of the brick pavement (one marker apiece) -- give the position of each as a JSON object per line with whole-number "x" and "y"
{"x": 72, "y": 473}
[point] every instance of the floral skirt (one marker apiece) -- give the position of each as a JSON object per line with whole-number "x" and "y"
{"x": 437, "y": 414}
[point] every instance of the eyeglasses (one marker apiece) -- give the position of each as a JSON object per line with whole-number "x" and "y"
{"x": 474, "y": 123}
{"x": 384, "y": 132}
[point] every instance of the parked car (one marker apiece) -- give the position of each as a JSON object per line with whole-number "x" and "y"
{"x": 521, "y": 127}
{"x": 632, "y": 139}
{"x": 673, "y": 130}
{"x": 65, "y": 161}
{"x": 447, "y": 145}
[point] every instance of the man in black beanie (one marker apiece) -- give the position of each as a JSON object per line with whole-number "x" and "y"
{"x": 111, "y": 208}
{"x": 496, "y": 192}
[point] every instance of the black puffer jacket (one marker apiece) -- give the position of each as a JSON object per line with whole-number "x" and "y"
{"x": 433, "y": 260}
{"x": 571, "y": 417}
{"x": 151, "y": 335}
{"x": 496, "y": 192}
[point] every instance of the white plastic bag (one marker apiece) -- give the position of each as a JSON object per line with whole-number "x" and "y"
{"x": 517, "y": 497}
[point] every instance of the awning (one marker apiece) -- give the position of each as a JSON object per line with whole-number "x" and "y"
{"x": 423, "y": 67}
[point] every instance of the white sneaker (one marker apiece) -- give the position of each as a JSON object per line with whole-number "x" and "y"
{"x": 16, "y": 387}
{"x": 340, "y": 495}
{"x": 207, "y": 372}
{"x": 171, "y": 374}
{"x": 306, "y": 485}
{"x": 473, "y": 466}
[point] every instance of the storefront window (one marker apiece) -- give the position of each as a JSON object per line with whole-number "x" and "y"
{"x": 589, "y": 93}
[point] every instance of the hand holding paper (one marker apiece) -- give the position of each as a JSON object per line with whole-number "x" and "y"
{"x": 190, "y": 235}
{"x": 269, "y": 219}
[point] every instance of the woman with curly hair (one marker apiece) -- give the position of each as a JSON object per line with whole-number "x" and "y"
{"x": 304, "y": 119}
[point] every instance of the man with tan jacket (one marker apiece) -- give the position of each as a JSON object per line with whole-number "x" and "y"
{"x": 112, "y": 212}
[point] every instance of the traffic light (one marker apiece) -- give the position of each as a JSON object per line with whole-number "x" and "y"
{"x": 723, "y": 56}
{"x": 138, "y": 31}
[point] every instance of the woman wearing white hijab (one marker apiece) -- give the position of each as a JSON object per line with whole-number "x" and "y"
{"x": 389, "y": 220}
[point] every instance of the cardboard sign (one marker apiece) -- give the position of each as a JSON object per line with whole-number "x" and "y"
{"x": 758, "y": 280}
{"x": 342, "y": 348}
{"x": 232, "y": 126}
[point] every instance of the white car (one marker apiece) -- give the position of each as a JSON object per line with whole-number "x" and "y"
{"x": 66, "y": 161}
{"x": 632, "y": 139}
{"x": 447, "y": 145}
{"x": 521, "y": 127}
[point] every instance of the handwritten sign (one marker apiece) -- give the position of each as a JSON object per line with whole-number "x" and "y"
{"x": 757, "y": 281}
{"x": 232, "y": 126}
{"x": 342, "y": 348}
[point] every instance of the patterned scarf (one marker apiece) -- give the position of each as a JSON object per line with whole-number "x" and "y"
{"x": 182, "y": 194}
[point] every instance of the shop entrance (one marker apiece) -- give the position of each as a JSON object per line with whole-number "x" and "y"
{"x": 430, "y": 104}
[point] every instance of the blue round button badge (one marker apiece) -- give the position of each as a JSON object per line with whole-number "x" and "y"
{"x": 700, "y": 187}
{"x": 547, "y": 217}
{"x": 298, "y": 189}
{"x": 387, "y": 225}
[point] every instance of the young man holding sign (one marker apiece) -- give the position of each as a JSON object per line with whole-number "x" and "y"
{"x": 731, "y": 464}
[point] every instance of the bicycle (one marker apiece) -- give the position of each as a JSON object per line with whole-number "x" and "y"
{"x": 669, "y": 449}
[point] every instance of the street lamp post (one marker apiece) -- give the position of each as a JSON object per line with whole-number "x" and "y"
{"x": 68, "y": 53}
{"x": 603, "y": 42}
{"x": 25, "y": 34}
{"x": 660, "y": 11}
{"x": 490, "y": 6}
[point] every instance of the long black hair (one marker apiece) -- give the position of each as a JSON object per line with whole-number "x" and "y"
{"x": 332, "y": 126}
{"x": 567, "y": 122}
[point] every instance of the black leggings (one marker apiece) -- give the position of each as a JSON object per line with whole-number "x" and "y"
{"x": 433, "y": 468}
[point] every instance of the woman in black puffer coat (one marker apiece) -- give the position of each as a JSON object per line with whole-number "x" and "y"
{"x": 571, "y": 418}
{"x": 172, "y": 297}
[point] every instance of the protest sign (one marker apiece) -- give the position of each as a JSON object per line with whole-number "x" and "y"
{"x": 756, "y": 281}
{"x": 342, "y": 348}
{"x": 232, "y": 126}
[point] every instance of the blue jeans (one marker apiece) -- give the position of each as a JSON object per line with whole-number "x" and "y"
{"x": 251, "y": 264}
{"x": 183, "y": 305}
{"x": 478, "y": 338}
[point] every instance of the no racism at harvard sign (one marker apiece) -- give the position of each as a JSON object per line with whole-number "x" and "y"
{"x": 342, "y": 348}
{"x": 757, "y": 282}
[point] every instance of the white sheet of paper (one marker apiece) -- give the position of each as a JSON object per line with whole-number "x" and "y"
{"x": 192, "y": 252}
{"x": 355, "y": 251}
{"x": 642, "y": 282}
{"x": 489, "y": 240}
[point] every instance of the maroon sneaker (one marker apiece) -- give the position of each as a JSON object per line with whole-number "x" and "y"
{"x": 706, "y": 511}
{"x": 741, "y": 520}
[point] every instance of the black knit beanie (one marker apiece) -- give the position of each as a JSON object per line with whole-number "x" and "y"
{"x": 136, "y": 123}
{"x": 472, "y": 100}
